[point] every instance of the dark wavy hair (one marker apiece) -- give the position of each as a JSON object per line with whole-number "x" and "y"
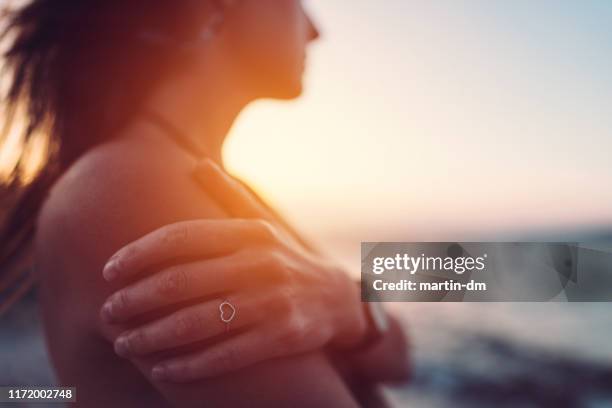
{"x": 77, "y": 70}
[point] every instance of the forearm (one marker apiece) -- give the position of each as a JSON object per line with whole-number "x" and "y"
{"x": 299, "y": 381}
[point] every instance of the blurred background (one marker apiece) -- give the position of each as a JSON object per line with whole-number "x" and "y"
{"x": 443, "y": 120}
{"x": 456, "y": 120}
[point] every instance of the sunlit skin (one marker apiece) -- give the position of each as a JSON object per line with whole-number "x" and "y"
{"x": 140, "y": 189}
{"x": 292, "y": 299}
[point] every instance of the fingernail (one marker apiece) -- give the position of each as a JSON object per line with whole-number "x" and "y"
{"x": 110, "y": 271}
{"x": 122, "y": 346}
{"x": 159, "y": 373}
{"x": 107, "y": 312}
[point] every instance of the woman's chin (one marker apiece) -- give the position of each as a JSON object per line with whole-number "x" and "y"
{"x": 289, "y": 91}
{"x": 283, "y": 87}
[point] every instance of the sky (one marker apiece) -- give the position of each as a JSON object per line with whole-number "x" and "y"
{"x": 424, "y": 119}
{"x": 439, "y": 120}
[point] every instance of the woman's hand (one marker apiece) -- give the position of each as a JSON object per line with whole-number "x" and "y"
{"x": 287, "y": 299}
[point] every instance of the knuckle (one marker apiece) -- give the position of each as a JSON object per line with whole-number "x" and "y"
{"x": 286, "y": 301}
{"x": 276, "y": 262}
{"x": 175, "y": 235}
{"x": 275, "y": 265}
{"x": 188, "y": 324}
{"x": 264, "y": 229}
{"x": 173, "y": 282}
{"x": 248, "y": 256}
{"x": 121, "y": 301}
{"x": 295, "y": 332}
{"x": 136, "y": 341}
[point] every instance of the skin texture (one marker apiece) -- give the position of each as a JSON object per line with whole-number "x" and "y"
{"x": 74, "y": 241}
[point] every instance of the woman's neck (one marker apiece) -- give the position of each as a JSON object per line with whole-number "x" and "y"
{"x": 202, "y": 105}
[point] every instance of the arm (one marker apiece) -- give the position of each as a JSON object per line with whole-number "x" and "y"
{"x": 106, "y": 202}
{"x": 322, "y": 307}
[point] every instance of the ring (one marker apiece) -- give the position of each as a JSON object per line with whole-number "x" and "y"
{"x": 223, "y": 307}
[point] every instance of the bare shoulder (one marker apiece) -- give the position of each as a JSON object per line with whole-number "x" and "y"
{"x": 111, "y": 196}
{"x": 119, "y": 178}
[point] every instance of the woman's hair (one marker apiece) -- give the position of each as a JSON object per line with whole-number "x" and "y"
{"x": 75, "y": 71}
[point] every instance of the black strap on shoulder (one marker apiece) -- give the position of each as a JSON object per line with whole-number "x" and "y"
{"x": 180, "y": 138}
{"x": 191, "y": 146}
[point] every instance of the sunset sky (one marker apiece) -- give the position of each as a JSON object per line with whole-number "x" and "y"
{"x": 436, "y": 119}
{"x": 422, "y": 118}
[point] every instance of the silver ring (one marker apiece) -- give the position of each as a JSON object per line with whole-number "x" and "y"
{"x": 224, "y": 307}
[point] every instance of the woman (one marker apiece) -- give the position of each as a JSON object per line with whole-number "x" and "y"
{"x": 222, "y": 304}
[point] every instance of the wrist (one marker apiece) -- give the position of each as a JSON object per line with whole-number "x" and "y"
{"x": 375, "y": 324}
{"x": 352, "y": 325}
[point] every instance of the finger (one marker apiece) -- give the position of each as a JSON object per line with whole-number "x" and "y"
{"x": 238, "y": 352}
{"x": 228, "y": 192}
{"x": 191, "y": 281}
{"x": 194, "y": 323}
{"x": 286, "y": 334}
{"x": 196, "y": 238}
